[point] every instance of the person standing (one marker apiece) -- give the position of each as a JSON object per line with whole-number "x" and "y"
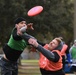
{"x": 14, "y": 47}
{"x": 73, "y": 57}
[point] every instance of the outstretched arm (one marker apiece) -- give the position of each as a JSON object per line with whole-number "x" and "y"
{"x": 22, "y": 32}
{"x": 53, "y": 56}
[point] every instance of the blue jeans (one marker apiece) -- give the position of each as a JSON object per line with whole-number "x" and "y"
{"x": 8, "y": 68}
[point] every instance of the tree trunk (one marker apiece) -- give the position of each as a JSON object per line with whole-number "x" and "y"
{"x": 74, "y": 19}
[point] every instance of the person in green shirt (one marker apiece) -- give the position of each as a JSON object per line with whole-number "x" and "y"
{"x": 73, "y": 57}
{"x": 14, "y": 47}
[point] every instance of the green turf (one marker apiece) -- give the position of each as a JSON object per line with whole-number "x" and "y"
{"x": 29, "y": 67}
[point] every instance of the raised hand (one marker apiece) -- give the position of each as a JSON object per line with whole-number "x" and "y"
{"x": 30, "y": 26}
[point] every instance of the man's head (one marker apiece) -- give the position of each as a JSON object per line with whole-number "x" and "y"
{"x": 54, "y": 43}
{"x": 21, "y": 22}
{"x": 19, "y": 19}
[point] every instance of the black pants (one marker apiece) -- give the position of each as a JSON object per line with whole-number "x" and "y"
{"x": 45, "y": 72}
{"x": 73, "y": 69}
{"x": 63, "y": 61}
{"x": 8, "y": 68}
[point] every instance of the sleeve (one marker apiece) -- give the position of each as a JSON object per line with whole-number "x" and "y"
{"x": 41, "y": 43}
{"x": 68, "y": 58}
{"x": 70, "y": 50}
{"x": 26, "y": 36}
{"x": 15, "y": 36}
{"x": 48, "y": 54}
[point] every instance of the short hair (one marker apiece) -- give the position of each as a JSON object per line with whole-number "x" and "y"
{"x": 59, "y": 40}
{"x": 59, "y": 47}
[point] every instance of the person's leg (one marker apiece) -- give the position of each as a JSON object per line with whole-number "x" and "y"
{"x": 63, "y": 61}
{"x": 8, "y": 68}
{"x": 5, "y": 67}
{"x": 61, "y": 73}
{"x": 44, "y": 72}
{"x": 5, "y": 71}
{"x": 73, "y": 69}
{"x": 15, "y": 69}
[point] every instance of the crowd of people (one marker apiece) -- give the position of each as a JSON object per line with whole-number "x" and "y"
{"x": 52, "y": 54}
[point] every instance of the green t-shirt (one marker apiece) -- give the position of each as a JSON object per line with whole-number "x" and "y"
{"x": 73, "y": 53}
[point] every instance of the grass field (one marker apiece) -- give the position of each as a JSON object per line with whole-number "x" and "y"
{"x": 24, "y": 61}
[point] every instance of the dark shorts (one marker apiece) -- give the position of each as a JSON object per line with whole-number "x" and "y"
{"x": 45, "y": 72}
{"x": 73, "y": 69}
